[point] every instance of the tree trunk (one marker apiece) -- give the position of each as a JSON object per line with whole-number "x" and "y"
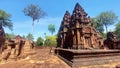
{"x": 32, "y": 27}
{"x": 106, "y": 28}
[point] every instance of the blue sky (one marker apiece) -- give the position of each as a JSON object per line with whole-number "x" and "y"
{"x": 55, "y": 10}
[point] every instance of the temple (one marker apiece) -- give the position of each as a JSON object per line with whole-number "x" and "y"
{"x": 79, "y": 43}
{"x": 77, "y": 31}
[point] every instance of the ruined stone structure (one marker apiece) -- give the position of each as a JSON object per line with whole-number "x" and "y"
{"x": 112, "y": 42}
{"x": 77, "y": 31}
{"x": 16, "y": 47}
{"x": 2, "y": 38}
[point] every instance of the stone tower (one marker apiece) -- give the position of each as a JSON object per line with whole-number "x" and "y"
{"x": 63, "y": 31}
{"x": 77, "y": 31}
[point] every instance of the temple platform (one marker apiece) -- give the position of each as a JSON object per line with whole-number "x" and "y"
{"x": 77, "y": 58}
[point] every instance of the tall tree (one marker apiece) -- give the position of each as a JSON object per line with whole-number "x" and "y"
{"x": 30, "y": 37}
{"x": 107, "y": 18}
{"x": 51, "y": 28}
{"x": 98, "y": 26}
{"x": 35, "y": 12}
{"x": 5, "y": 20}
{"x": 117, "y": 29}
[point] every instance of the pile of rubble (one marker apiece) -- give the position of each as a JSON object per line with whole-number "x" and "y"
{"x": 16, "y": 48}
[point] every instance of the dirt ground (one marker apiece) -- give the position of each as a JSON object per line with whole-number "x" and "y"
{"x": 40, "y": 59}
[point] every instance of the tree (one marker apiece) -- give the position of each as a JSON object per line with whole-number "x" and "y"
{"x": 51, "y": 28}
{"x": 98, "y": 26}
{"x": 5, "y": 20}
{"x": 106, "y": 18}
{"x": 9, "y": 35}
{"x": 51, "y": 40}
{"x": 30, "y": 37}
{"x": 39, "y": 41}
{"x": 23, "y": 37}
{"x": 35, "y": 12}
{"x": 117, "y": 29}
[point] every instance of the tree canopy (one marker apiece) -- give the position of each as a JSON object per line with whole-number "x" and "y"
{"x": 106, "y": 18}
{"x": 50, "y": 40}
{"x": 5, "y": 20}
{"x": 98, "y": 26}
{"x": 117, "y": 29}
{"x": 30, "y": 37}
{"x": 35, "y": 12}
{"x": 39, "y": 41}
{"x": 51, "y": 28}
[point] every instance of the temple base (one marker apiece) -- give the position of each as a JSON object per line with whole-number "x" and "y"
{"x": 77, "y": 58}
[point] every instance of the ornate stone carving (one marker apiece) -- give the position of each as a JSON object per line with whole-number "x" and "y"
{"x": 77, "y": 31}
{"x": 64, "y": 30}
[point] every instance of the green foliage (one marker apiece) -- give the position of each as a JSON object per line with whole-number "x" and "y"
{"x": 39, "y": 41}
{"x": 30, "y": 37}
{"x": 104, "y": 35}
{"x": 35, "y": 12}
{"x": 51, "y": 28}
{"x": 106, "y": 18}
{"x": 51, "y": 41}
{"x": 9, "y": 35}
{"x": 5, "y": 20}
{"x": 98, "y": 26}
{"x": 117, "y": 29}
{"x": 23, "y": 37}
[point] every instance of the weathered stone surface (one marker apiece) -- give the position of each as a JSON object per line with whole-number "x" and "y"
{"x": 80, "y": 44}
{"x": 77, "y": 31}
{"x": 16, "y": 47}
{"x": 27, "y": 47}
{"x": 112, "y": 42}
{"x": 2, "y": 38}
{"x": 118, "y": 66}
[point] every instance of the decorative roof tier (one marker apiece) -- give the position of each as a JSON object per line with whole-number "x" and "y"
{"x": 80, "y": 14}
{"x": 65, "y": 23}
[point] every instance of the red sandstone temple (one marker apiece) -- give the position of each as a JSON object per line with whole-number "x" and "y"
{"x": 77, "y": 31}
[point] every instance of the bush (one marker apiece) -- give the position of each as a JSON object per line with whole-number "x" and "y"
{"x": 39, "y": 41}
{"x": 51, "y": 41}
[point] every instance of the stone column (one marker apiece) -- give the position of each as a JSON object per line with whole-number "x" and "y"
{"x": 64, "y": 36}
{"x": 78, "y": 38}
{"x": 75, "y": 39}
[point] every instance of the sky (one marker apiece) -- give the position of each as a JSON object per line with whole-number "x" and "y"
{"x": 55, "y": 9}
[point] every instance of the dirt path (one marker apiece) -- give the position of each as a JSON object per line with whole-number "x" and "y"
{"x": 41, "y": 59}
